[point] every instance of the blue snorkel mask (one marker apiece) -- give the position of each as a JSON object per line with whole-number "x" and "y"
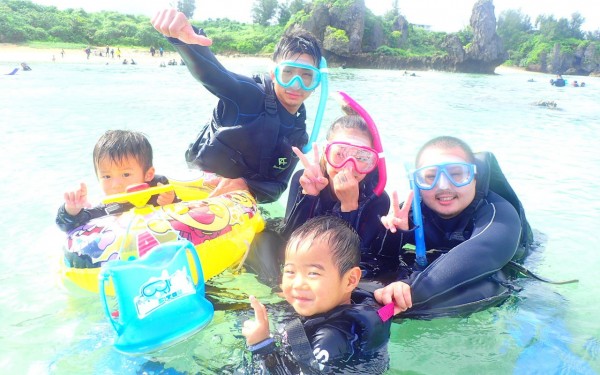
{"x": 307, "y": 77}
{"x": 294, "y": 74}
{"x": 457, "y": 173}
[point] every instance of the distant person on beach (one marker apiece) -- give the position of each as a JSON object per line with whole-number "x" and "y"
{"x": 88, "y": 51}
{"x": 121, "y": 158}
{"x": 62, "y": 53}
{"x": 340, "y": 330}
{"x": 248, "y": 142}
{"x": 119, "y": 53}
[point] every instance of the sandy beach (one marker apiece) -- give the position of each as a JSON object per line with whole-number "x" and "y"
{"x": 13, "y": 53}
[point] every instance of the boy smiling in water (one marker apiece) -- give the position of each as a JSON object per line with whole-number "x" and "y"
{"x": 121, "y": 158}
{"x": 339, "y": 323}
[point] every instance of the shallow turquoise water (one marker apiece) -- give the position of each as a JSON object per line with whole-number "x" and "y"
{"x": 52, "y": 116}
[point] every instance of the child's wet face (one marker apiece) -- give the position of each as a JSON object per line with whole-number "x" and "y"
{"x": 311, "y": 281}
{"x": 115, "y": 177}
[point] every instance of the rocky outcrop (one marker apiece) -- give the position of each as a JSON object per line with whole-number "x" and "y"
{"x": 351, "y": 19}
{"x": 585, "y": 60}
{"x": 341, "y": 27}
{"x": 486, "y": 51}
{"x": 400, "y": 24}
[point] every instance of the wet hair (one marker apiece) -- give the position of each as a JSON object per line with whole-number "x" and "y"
{"x": 446, "y": 142}
{"x": 295, "y": 42}
{"x": 350, "y": 121}
{"x": 119, "y": 144}
{"x": 342, "y": 240}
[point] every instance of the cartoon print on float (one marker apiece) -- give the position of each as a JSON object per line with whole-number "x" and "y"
{"x": 245, "y": 206}
{"x": 130, "y": 236}
{"x": 93, "y": 239}
{"x": 206, "y": 220}
{"x": 200, "y": 222}
{"x": 158, "y": 231}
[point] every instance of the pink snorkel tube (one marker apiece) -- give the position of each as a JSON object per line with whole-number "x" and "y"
{"x": 376, "y": 140}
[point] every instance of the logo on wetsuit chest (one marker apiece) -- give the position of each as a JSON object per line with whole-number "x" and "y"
{"x": 282, "y": 164}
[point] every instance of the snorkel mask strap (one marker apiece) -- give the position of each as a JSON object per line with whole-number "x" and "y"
{"x": 322, "y": 101}
{"x": 376, "y": 140}
{"x": 421, "y": 255}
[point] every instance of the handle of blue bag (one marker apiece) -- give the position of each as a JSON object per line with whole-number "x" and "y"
{"x": 102, "y": 289}
{"x": 192, "y": 250}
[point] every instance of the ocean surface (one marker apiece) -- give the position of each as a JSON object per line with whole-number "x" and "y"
{"x": 52, "y": 116}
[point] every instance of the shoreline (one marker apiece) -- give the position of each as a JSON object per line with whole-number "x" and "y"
{"x": 12, "y": 55}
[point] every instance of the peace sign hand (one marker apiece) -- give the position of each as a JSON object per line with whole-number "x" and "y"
{"x": 397, "y": 218}
{"x": 256, "y": 330}
{"x": 346, "y": 188}
{"x": 312, "y": 179}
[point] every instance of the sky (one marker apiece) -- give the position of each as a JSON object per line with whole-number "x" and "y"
{"x": 441, "y": 15}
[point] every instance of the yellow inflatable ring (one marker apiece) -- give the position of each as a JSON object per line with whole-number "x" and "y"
{"x": 221, "y": 229}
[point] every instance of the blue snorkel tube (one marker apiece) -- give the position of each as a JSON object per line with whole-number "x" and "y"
{"x": 322, "y": 101}
{"x": 421, "y": 256}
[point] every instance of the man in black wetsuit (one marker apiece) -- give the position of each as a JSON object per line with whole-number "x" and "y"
{"x": 248, "y": 141}
{"x": 473, "y": 224}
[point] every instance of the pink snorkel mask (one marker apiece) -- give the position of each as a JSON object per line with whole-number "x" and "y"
{"x": 346, "y": 99}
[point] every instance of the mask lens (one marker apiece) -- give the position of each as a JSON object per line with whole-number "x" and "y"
{"x": 459, "y": 174}
{"x": 288, "y": 73}
{"x": 426, "y": 177}
{"x": 364, "y": 158}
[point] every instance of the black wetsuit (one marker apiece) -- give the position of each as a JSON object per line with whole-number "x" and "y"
{"x": 349, "y": 338}
{"x": 67, "y": 222}
{"x": 467, "y": 253}
{"x": 267, "y": 250}
{"x": 241, "y": 140}
{"x": 365, "y": 219}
